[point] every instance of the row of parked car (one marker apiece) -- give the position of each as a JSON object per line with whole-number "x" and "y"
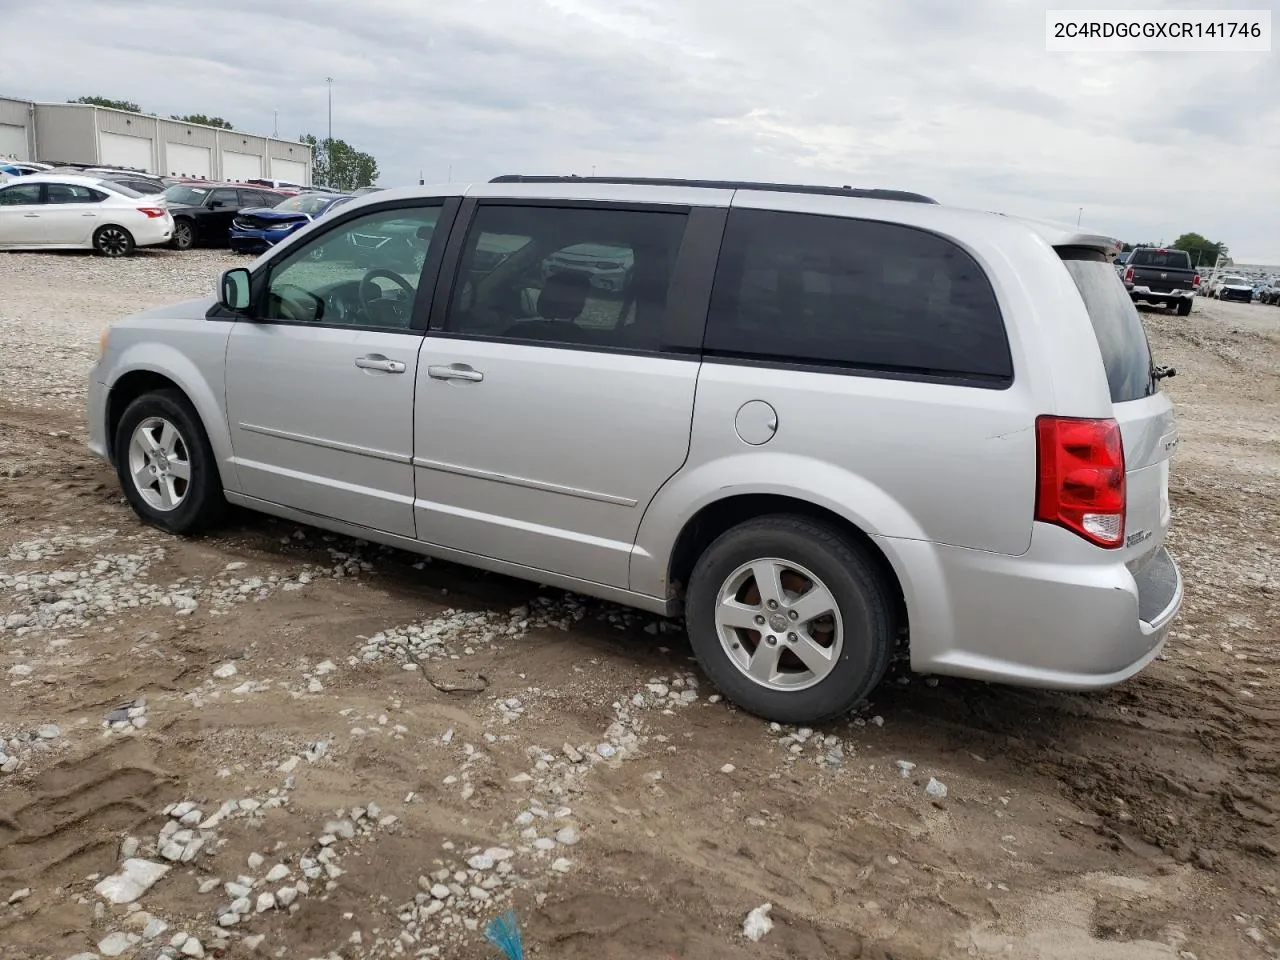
{"x": 116, "y": 211}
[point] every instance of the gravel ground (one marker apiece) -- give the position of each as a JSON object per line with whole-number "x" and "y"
{"x": 273, "y": 740}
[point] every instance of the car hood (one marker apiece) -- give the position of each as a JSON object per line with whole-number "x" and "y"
{"x": 193, "y": 309}
{"x": 271, "y": 213}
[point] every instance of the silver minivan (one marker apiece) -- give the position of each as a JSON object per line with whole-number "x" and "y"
{"x": 826, "y": 425}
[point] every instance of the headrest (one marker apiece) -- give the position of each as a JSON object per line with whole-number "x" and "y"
{"x": 563, "y": 296}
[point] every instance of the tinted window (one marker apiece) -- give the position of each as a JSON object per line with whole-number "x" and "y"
{"x": 854, "y": 294}
{"x": 1116, "y": 324}
{"x": 132, "y": 188}
{"x": 181, "y": 194}
{"x": 225, "y": 198}
{"x": 595, "y": 277}
{"x": 73, "y": 193}
{"x": 1173, "y": 259}
{"x": 20, "y": 194}
{"x": 324, "y": 280}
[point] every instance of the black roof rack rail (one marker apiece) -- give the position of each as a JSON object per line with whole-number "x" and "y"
{"x": 865, "y": 193}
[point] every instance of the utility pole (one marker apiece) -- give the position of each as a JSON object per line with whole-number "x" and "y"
{"x": 329, "y": 81}
{"x": 275, "y": 123}
{"x": 1079, "y": 214}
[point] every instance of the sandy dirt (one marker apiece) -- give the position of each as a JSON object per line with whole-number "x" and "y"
{"x": 1143, "y": 822}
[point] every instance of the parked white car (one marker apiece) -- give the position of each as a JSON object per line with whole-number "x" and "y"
{"x": 59, "y": 212}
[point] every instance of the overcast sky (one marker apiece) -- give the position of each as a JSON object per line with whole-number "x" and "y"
{"x": 954, "y": 98}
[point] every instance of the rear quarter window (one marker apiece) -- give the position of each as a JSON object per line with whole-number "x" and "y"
{"x": 856, "y": 295}
{"x": 1117, "y": 325}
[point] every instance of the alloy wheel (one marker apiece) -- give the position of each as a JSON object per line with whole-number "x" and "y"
{"x": 113, "y": 241}
{"x": 779, "y": 624}
{"x": 160, "y": 464}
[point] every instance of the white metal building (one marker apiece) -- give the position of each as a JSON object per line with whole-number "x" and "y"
{"x": 97, "y": 136}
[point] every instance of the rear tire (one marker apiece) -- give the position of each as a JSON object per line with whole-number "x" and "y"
{"x": 823, "y": 604}
{"x": 184, "y": 234}
{"x": 1184, "y": 308}
{"x": 166, "y": 465}
{"x": 111, "y": 240}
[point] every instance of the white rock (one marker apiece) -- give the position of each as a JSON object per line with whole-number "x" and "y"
{"x": 266, "y": 901}
{"x": 135, "y": 878}
{"x": 936, "y": 788}
{"x": 606, "y": 750}
{"x": 479, "y": 893}
{"x": 225, "y": 672}
{"x": 290, "y": 765}
{"x": 50, "y": 731}
{"x": 180, "y": 810}
{"x": 19, "y": 895}
{"x": 568, "y": 836}
{"x": 228, "y": 919}
{"x": 277, "y": 873}
{"x": 544, "y": 844}
{"x": 524, "y": 818}
{"x": 758, "y": 923}
{"x": 240, "y": 906}
{"x": 286, "y": 895}
{"x": 193, "y": 948}
{"x": 728, "y": 768}
{"x": 154, "y": 928}
{"x": 481, "y": 861}
{"x": 252, "y": 943}
{"x": 562, "y": 865}
{"x": 114, "y": 944}
{"x": 236, "y": 890}
{"x": 255, "y": 860}
{"x": 440, "y": 891}
{"x": 498, "y": 854}
{"x": 905, "y": 766}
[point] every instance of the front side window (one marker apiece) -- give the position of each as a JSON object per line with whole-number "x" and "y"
{"x": 73, "y": 193}
{"x": 860, "y": 295}
{"x": 594, "y": 277}
{"x": 225, "y": 198}
{"x": 363, "y": 273}
{"x": 20, "y": 194}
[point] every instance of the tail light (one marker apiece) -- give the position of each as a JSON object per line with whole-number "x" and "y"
{"x": 1080, "y": 477}
{"x": 152, "y": 212}
{"x": 1196, "y": 281}
{"x": 1128, "y": 275}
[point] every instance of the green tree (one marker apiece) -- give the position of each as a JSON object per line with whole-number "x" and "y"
{"x": 337, "y": 164}
{"x": 201, "y": 118}
{"x": 1203, "y": 252}
{"x": 110, "y": 104}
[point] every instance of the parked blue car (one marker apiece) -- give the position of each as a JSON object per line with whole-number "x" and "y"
{"x": 256, "y": 229}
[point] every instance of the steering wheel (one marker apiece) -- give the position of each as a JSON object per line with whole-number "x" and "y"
{"x": 371, "y": 295}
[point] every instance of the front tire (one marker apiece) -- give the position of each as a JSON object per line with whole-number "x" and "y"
{"x": 113, "y": 241}
{"x": 790, "y": 619}
{"x": 166, "y": 465}
{"x": 184, "y": 234}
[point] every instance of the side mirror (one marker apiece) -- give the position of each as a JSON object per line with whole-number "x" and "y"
{"x": 233, "y": 289}
{"x": 218, "y": 204}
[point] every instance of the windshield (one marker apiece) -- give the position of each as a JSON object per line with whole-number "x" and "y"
{"x": 1177, "y": 259}
{"x": 310, "y": 205}
{"x": 184, "y": 194}
{"x": 1235, "y": 281}
{"x": 1117, "y": 326}
{"x": 119, "y": 188}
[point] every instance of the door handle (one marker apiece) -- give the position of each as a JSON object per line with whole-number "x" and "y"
{"x": 455, "y": 371}
{"x": 376, "y": 361}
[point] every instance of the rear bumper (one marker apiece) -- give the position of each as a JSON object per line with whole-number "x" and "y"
{"x": 1054, "y": 617}
{"x": 1147, "y": 295}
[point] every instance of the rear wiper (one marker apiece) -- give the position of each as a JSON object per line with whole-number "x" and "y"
{"x": 1161, "y": 372}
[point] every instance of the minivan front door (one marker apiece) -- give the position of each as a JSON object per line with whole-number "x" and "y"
{"x": 556, "y": 396}
{"x": 320, "y": 384}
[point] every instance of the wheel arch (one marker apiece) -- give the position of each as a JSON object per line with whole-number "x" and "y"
{"x": 172, "y": 371}
{"x": 721, "y": 515}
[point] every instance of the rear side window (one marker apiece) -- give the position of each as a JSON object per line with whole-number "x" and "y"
{"x": 1169, "y": 259}
{"x": 1122, "y": 339}
{"x": 854, "y": 294}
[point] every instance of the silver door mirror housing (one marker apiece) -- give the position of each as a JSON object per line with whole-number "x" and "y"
{"x": 233, "y": 289}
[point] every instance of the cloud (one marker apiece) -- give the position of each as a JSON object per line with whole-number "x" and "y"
{"x": 956, "y": 100}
